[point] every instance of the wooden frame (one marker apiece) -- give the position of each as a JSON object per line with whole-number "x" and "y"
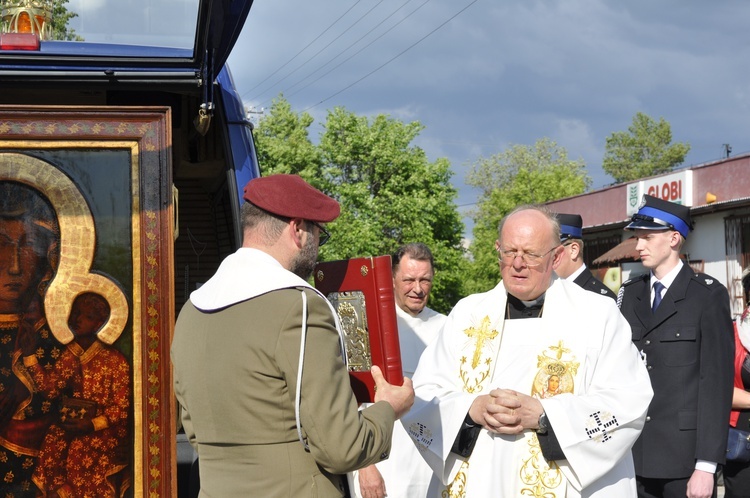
{"x": 76, "y": 156}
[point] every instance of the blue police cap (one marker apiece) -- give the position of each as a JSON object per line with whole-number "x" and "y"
{"x": 571, "y": 226}
{"x": 658, "y": 214}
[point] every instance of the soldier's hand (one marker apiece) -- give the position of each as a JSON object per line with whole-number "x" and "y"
{"x": 400, "y": 397}
{"x": 371, "y": 483}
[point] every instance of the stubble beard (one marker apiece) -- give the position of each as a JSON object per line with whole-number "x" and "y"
{"x": 304, "y": 263}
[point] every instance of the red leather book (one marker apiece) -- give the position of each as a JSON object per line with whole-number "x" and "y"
{"x": 361, "y": 291}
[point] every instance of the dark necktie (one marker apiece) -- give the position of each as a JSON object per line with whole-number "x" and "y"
{"x": 658, "y": 287}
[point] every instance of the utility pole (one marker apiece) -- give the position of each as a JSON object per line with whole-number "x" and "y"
{"x": 253, "y": 114}
{"x": 727, "y": 150}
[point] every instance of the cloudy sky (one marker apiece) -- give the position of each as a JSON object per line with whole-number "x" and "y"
{"x": 483, "y": 74}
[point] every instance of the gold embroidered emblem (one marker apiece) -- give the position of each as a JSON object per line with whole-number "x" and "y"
{"x": 457, "y": 488}
{"x": 539, "y": 478}
{"x": 556, "y": 372}
{"x": 481, "y": 336}
{"x": 557, "y": 369}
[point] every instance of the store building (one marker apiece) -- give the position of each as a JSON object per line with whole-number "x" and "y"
{"x": 719, "y": 196}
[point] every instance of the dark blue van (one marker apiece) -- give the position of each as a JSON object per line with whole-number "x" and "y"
{"x": 127, "y": 148}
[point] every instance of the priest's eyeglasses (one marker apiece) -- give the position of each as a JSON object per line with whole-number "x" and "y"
{"x": 529, "y": 258}
{"x": 323, "y": 236}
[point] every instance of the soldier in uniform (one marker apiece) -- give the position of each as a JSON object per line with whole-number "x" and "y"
{"x": 572, "y": 266}
{"x": 681, "y": 323}
{"x": 258, "y": 371}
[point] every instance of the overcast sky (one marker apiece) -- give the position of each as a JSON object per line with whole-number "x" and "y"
{"x": 483, "y": 74}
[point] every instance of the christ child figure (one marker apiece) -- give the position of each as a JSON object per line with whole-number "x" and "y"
{"x": 85, "y": 451}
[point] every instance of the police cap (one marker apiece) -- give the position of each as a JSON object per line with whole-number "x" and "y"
{"x": 658, "y": 214}
{"x": 571, "y": 226}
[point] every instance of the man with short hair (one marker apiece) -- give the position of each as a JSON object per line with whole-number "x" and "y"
{"x": 405, "y": 474}
{"x": 682, "y": 325}
{"x": 572, "y": 266}
{"x": 484, "y": 417}
{"x": 258, "y": 366}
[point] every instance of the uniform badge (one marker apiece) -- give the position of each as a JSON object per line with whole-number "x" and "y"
{"x": 602, "y": 291}
{"x": 709, "y": 281}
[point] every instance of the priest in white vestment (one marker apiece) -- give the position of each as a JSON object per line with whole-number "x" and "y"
{"x": 533, "y": 388}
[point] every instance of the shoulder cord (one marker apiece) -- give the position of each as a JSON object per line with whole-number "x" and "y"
{"x": 303, "y": 338}
{"x": 620, "y": 293}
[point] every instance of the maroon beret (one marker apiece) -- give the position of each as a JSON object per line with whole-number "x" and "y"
{"x": 291, "y": 197}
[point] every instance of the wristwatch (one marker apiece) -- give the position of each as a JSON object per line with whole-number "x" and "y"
{"x": 543, "y": 424}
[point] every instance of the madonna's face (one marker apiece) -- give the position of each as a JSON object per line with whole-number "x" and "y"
{"x": 23, "y": 262}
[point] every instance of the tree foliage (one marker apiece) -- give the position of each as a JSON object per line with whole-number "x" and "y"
{"x": 646, "y": 149}
{"x": 519, "y": 175}
{"x": 61, "y": 16}
{"x": 390, "y": 193}
{"x": 283, "y": 143}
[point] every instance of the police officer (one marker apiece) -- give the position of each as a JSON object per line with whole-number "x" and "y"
{"x": 682, "y": 325}
{"x": 572, "y": 266}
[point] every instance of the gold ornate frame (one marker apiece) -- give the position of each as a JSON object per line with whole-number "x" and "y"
{"x": 143, "y": 312}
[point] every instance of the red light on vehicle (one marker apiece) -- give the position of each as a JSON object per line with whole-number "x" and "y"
{"x": 19, "y": 41}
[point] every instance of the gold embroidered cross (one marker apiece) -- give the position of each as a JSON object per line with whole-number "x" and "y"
{"x": 480, "y": 334}
{"x": 560, "y": 349}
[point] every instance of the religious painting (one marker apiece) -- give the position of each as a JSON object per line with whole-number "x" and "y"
{"x": 556, "y": 374}
{"x": 86, "y": 302}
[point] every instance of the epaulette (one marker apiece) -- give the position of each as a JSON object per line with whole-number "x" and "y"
{"x": 633, "y": 280}
{"x": 621, "y": 292}
{"x": 704, "y": 279}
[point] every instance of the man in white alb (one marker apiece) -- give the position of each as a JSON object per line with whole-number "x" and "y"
{"x": 485, "y": 415}
{"x": 405, "y": 474}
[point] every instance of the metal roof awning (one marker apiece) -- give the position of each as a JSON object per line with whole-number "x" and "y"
{"x": 624, "y": 252}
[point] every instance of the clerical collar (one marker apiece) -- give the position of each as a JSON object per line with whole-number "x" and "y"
{"x": 524, "y": 309}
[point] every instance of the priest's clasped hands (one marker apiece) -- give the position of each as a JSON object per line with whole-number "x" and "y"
{"x": 504, "y": 411}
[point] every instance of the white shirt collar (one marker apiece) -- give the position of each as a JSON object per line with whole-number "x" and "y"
{"x": 576, "y": 273}
{"x": 669, "y": 277}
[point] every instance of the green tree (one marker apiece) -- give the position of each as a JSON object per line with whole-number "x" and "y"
{"x": 389, "y": 192}
{"x": 283, "y": 143}
{"x": 519, "y": 175}
{"x": 646, "y": 149}
{"x": 61, "y": 16}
